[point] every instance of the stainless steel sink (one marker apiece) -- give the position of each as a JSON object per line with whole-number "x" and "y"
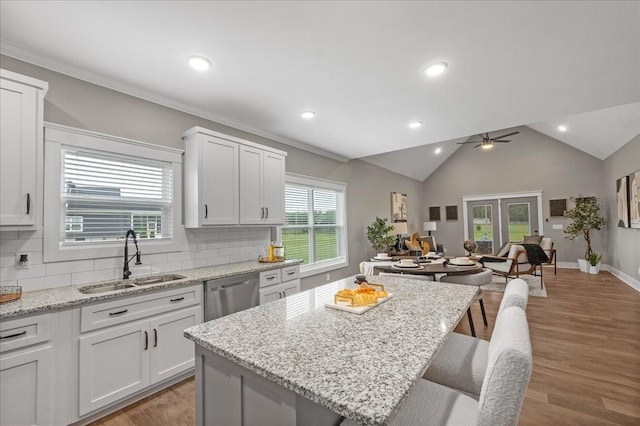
{"x": 155, "y": 279}
{"x": 103, "y": 288}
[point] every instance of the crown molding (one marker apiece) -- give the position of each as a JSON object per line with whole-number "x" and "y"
{"x": 17, "y": 52}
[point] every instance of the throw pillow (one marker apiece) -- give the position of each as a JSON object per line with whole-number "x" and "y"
{"x": 532, "y": 239}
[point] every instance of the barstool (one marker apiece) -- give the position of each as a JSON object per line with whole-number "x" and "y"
{"x": 479, "y": 279}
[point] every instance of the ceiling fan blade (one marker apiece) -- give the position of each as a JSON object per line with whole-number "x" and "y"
{"x": 502, "y": 141}
{"x": 480, "y": 144}
{"x": 504, "y": 136}
{"x": 462, "y": 143}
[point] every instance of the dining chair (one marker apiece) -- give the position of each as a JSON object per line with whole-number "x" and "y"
{"x": 462, "y": 362}
{"x": 505, "y": 382}
{"x": 478, "y": 279}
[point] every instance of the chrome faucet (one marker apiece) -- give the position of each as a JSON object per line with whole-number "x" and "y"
{"x": 125, "y": 270}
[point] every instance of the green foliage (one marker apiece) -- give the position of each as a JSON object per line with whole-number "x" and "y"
{"x": 585, "y": 216}
{"x": 594, "y": 259}
{"x": 378, "y": 234}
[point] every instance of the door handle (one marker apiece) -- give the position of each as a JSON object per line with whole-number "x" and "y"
{"x": 28, "y": 203}
{"x": 14, "y": 335}
{"x": 155, "y": 337}
{"x": 118, "y": 313}
{"x": 206, "y": 211}
{"x": 146, "y": 340}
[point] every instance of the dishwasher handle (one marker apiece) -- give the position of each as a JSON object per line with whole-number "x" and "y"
{"x": 234, "y": 284}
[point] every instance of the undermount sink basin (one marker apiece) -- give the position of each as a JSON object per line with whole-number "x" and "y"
{"x": 155, "y": 279}
{"x": 103, "y": 288}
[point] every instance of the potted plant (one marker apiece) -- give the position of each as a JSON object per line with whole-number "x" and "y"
{"x": 594, "y": 262}
{"x": 378, "y": 234}
{"x": 585, "y": 217}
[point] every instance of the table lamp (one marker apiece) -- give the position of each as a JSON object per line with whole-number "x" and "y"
{"x": 429, "y": 226}
{"x": 400, "y": 228}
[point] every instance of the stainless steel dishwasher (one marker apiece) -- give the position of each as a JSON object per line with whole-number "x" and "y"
{"x": 225, "y": 296}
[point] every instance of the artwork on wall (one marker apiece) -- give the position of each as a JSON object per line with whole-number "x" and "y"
{"x": 622, "y": 194}
{"x": 452, "y": 212}
{"x": 634, "y": 200}
{"x": 399, "y": 207}
{"x": 434, "y": 213}
{"x": 557, "y": 207}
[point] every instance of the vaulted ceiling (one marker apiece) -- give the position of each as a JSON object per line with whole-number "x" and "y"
{"x": 359, "y": 66}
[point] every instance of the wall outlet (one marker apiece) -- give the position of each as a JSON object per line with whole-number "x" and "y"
{"x": 22, "y": 260}
{"x": 328, "y": 277}
{"x": 557, "y": 226}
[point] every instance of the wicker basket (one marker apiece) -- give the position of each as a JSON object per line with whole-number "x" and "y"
{"x": 10, "y": 293}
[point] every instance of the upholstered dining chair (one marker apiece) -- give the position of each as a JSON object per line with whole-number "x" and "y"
{"x": 515, "y": 264}
{"x": 505, "y": 382}
{"x": 462, "y": 362}
{"x": 478, "y": 279}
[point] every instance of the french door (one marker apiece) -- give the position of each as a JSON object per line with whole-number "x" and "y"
{"x": 494, "y": 220}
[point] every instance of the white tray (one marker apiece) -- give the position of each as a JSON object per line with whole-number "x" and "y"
{"x": 342, "y": 306}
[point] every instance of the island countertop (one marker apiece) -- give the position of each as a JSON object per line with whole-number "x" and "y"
{"x": 359, "y": 366}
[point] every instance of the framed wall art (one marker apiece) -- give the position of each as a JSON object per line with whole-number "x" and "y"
{"x": 622, "y": 194}
{"x": 557, "y": 207}
{"x": 434, "y": 213}
{"x": 452, "y": 212}
{"x": 399, "y": 207}
{"x": 634, "y": 200}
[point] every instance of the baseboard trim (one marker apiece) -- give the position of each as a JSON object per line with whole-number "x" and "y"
{"x": 630, "y": 281}
{"x": 574, "y": 265}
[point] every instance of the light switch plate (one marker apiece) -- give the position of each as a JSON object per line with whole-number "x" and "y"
{"x": 557, "y": 226}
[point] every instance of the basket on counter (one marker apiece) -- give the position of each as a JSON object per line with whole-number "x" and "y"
{"x": 10, "y": 293}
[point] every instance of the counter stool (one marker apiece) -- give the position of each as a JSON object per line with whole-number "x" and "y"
{"x": 479, "y": 279}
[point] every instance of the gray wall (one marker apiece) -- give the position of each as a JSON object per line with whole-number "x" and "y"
{"x": 624, "y": 243}
{"x": 532, "y": 161}
{"x": 76, "y": 103}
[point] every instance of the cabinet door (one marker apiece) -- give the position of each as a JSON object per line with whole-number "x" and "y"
{"x": 171, "y": 352}
{"x": 291, "y": 287}
{"x": 113, "y": 364}
{"x": 251, "y": 169}
{"x": 270, "y": 294}
{"x": 18, "y": 149}
{"x": 219, "y": 182}
{"x": 25, "y": 387}
{"x": 273, "y": 187}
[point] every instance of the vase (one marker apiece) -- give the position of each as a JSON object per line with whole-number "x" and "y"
{"x": 583, "y": 265}
{"x": 594, "y": 269}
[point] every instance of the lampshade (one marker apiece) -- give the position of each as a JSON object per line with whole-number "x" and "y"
{"x": 400, "y": 228}
{"x": 428, "y": 226}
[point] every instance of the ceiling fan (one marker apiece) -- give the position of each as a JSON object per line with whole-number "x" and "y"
{"x": 487, "y": 141}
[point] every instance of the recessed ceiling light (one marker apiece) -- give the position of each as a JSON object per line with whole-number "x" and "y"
{"x": 438, "y": 150}
{"x": 199, "y": 63}
{"x": 562, "y": 128}
{"x": 307, "y": 115}
{"x": 415, "y": 124}
{"x": 436, "y": 69}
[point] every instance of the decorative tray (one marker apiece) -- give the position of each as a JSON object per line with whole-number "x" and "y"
{"x": 349, "y": 303}
{"x": 10, "y": 293}
{"x": 267, "y": 260}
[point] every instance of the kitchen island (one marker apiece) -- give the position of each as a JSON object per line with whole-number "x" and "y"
{"x": 296, "y": 362}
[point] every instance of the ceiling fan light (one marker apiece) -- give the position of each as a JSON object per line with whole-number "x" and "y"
{"x": 436, "y": 69}
{"x": 487, "y": 144}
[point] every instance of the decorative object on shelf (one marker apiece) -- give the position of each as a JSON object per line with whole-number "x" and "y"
{"x": 429, "y": 226}
{"x": 634, "y": 200}
{"x": 557, "y": 207}
{"x": 399, "y": 207}
{"x": 470, "y": 246}
{"x": 378, "y": 234}
{"x": 434, "y": 213}
{"x": 400, "y": 228}
{"x": 10, "y": 293}
{"x": 452, "y": 212}
{"x": 585, "y": 217}
{"x": 622, "y": 195}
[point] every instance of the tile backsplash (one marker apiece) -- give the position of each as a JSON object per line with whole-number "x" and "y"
{"x": 202, "y": 247}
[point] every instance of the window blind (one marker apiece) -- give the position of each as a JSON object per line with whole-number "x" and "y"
{"x": 104, "y": 195}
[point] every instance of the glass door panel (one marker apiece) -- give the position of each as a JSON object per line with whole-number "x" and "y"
{"x": 483, "y": 226}
{"x": 519, "y": 218}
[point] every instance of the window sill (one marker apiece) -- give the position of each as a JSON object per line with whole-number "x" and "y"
{"x": 322, "y": 267}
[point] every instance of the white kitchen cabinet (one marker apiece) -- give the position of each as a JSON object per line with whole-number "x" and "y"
{"x": 261, "y": 186}
{"x": 21, "y": 151}
{"x": 119, "y": 358}
{"x": 279, "y": 283}
{"x": 211, "y": 181}
{"x": 231, "y": 181}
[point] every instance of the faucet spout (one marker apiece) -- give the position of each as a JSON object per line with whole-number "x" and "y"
{"x": 125, "y": 269}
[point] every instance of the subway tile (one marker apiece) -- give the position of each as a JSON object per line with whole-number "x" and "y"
{"x": 9, "y": 235}
{"x": 57, "y": 268}
{"x": 203, "y": 254}
{"x": 197, "y": 263}
{"x": 151, "y": 258}
{"x": 217, "y": 244}
{"x": 94, "y": 276}
{"x": 108, "y": 263}
{"x": 11, "y": 273}
{"x": 41, "y": 283}
{"x": 161, "y": 268}
{"x": 15, "y": 246}
{"x": 138, "y": 270}
{"x": 24, "y": 235}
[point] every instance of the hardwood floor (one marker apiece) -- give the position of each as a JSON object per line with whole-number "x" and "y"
{"x": 586, "y": 358}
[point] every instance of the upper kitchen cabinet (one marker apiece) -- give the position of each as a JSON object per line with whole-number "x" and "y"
{"x": 231, "y": 181}
{"x": 21, "y": 151}
{"x": 261, "y": 186}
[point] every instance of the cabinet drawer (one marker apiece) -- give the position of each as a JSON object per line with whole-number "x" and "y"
{"x": 268, "y": 278}
{"x": 290, "y": 273}
{"x": 21, "y": 332}
{"x": 124, "y": 310}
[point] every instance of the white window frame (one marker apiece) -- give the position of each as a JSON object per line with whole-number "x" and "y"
{"x": 318, "y": 183}
{"x": 57, "y": 138}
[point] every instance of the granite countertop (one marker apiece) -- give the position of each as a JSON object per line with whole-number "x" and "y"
{"x": 360, "y": 366}
{"x": 52, "y": 299}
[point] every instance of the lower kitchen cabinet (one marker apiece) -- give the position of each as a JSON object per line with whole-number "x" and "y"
{"x": 25, "y": 387}
{"x": 279, "y": 291}
{"x": 279, "y": 283}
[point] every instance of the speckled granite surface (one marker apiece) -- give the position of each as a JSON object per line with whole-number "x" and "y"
{"x": 360, "y": 366}
{"x": 64, "y": 297}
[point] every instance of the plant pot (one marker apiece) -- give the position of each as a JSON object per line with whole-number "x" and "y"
{"x": 594, "y": 269}
{"x": 583, "y": 265}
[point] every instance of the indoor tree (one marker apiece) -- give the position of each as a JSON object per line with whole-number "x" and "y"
{"x": 585, "y": 216}
{"x": 378, "y": 234}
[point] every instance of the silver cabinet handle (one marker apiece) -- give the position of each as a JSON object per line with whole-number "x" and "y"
{"x": 14, "y": 335}
{"x": 206, "y": 211}
{"x": 285, "y": 293}
{"x": 267, "y": 210}
{"x": 271, "y": 277}
{"x": 261, "y": 212}
{"x": 28, "y": 203}
{"x": 291, "y": 272}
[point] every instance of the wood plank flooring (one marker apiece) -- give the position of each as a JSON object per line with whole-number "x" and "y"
{"x": 586, "y": 358}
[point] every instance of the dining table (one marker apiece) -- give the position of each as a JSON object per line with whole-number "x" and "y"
{"x": 431, "y": 267}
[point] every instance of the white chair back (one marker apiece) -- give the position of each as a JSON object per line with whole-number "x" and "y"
{"x": 512, "y": 254}
{"x": 508, "y": 370}
{"x": 515, "y": 294}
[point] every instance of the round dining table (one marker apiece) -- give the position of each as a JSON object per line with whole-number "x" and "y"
{"x": 430, "y": 268}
